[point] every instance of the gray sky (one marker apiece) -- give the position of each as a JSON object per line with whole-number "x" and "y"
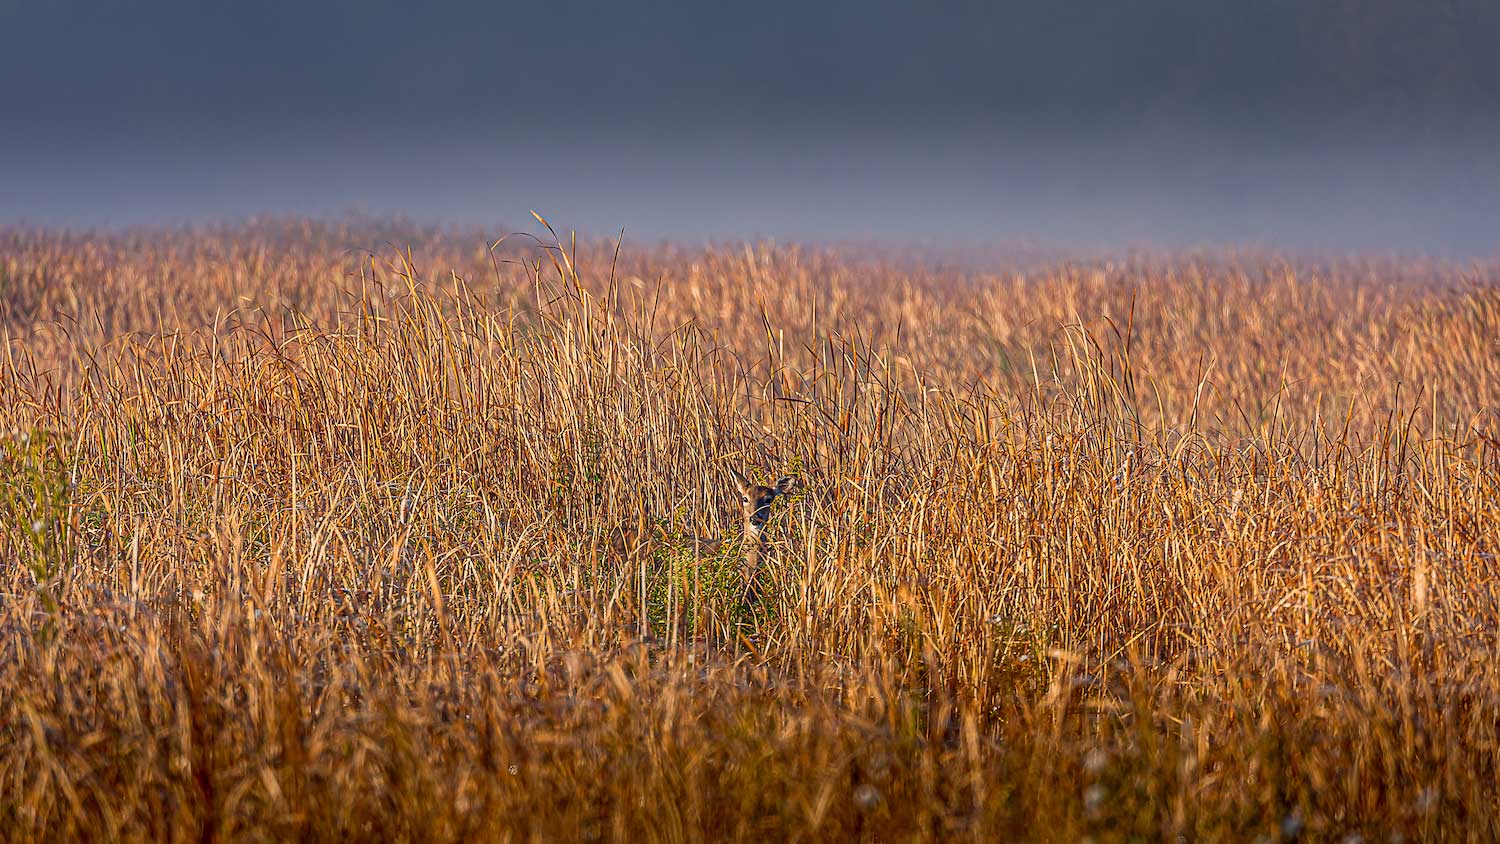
{"x": 1351, "y": 125}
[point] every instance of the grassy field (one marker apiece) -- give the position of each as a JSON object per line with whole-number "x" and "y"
{"x": 309, "y": 533}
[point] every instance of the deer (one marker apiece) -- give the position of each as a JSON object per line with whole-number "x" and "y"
{"x": 755, "y": 503}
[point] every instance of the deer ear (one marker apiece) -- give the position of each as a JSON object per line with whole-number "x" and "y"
{"x": 739, "y": 481}
{"x": 785, "y": 485}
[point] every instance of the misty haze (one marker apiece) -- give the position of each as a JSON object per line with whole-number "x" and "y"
{"x": 1086, "y": 124}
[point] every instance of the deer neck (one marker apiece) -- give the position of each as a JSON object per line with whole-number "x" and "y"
{"x": 750, "y": 552}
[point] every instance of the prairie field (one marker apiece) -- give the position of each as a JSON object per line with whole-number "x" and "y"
{"x": 313, "y": 531}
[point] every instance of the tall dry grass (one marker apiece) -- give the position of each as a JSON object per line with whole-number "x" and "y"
{"x": 307, "y": 536}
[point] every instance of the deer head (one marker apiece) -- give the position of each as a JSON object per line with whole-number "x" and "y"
{"x": 757, "y": 500}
